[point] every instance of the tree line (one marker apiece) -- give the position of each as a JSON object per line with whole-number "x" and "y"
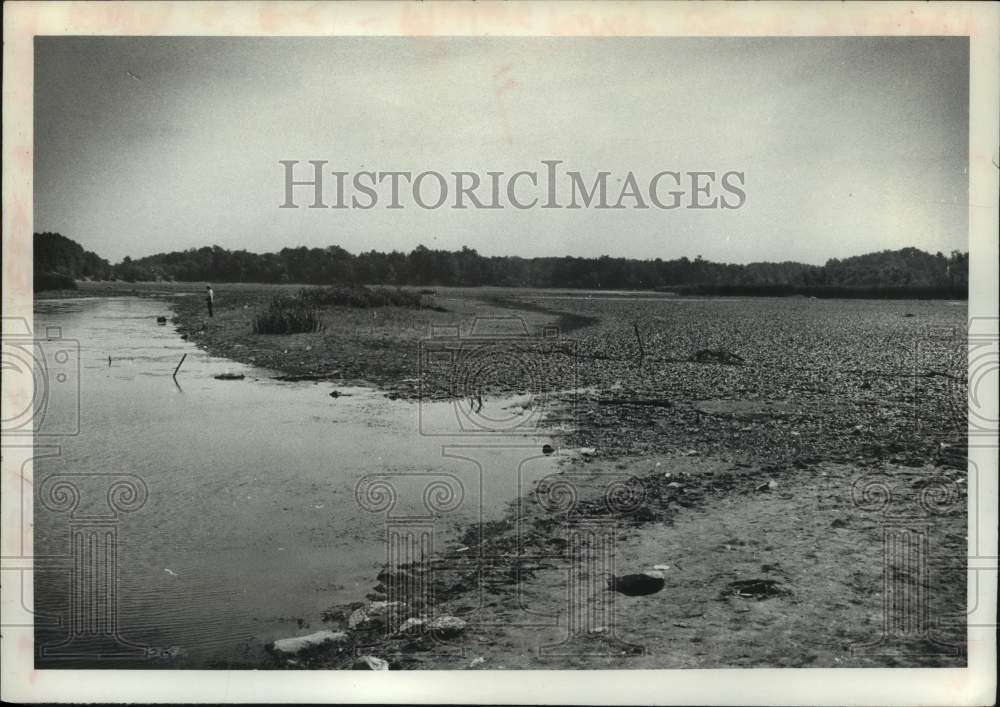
{"x": 904, "y": 270}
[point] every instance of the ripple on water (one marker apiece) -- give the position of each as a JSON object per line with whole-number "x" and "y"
{"x": 252, "y": 486}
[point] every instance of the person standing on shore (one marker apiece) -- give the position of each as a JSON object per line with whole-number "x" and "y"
{"x": 209, "y": 299}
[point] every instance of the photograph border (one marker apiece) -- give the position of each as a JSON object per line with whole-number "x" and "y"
{"x": 839, "y": 686}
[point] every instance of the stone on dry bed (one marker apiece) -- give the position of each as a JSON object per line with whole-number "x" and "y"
{"x": 375, "y": 610}
{"x": 294, "y": 646}
{"x": 369, "y": 662}
{"x": 448, "y": 626}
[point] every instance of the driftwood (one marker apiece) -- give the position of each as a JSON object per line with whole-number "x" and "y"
{"x": 230, "y": 377}
{"x": 717, "y": 356}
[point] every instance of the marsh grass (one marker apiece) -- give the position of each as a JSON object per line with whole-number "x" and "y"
{"x": 287, "y": 315}
{"x": 361, "y": 297}
{"x": 300, "y": 313}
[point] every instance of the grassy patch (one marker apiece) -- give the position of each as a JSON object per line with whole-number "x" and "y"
{"x": 287, "y": 315}
{"x": 300, "y": 313}
{"x": 362, "y": 297}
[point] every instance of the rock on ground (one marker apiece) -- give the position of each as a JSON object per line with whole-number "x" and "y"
{"x": 370, "y": 662}
{"x": 376, "y": 610}
{"x": 411, "y": 625}
{"x": 358, "y": 618}
{"x": 381, "y": 608}
{"x": 294, "y": 646}
{"x": 448, "y": 626}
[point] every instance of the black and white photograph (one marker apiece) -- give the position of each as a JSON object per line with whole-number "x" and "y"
{"x": 583, "y": 349}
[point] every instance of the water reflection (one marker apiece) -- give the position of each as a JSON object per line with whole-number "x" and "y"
{"x": 253, "y": 524}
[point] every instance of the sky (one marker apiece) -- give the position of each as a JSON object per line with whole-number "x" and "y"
{"x": 847, "y": 145}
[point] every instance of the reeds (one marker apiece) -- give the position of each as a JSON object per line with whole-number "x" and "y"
{"x": 299, "y": 314}
{"x": 287, "y": 315}
{"x": 361, "y": 297}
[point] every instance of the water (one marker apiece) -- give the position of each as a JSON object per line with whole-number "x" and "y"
{"x": 252, "y": 524}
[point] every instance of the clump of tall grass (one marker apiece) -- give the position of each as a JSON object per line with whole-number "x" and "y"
{"x": 361, "y": 297}
{"x": 287, "y": 315}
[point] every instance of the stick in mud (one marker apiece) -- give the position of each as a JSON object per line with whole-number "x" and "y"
{"x": 179, "y": 365}
{"x": 642, "y": 349}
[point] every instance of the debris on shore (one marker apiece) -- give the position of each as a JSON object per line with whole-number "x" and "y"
{"x": 448, "y": 626}
{"x": 755, "y": 589}
{"x": 298, "y": 644}
{"x": 717, "y": 356}
{"x": 370, "y": 662}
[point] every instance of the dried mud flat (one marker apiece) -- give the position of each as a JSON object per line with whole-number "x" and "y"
{"x": 783, "y": 458}
{"x": 532, "y": 592}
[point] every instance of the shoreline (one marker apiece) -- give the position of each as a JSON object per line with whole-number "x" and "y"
{"x": 628, "y": 371}
{"x": 742, "y": 477}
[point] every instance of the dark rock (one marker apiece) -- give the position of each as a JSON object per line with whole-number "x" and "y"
{"x": 447, "y": 626}
{"x": 637, "y": 585}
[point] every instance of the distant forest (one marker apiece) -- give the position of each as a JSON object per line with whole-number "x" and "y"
{"x": 908, "y": 272}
